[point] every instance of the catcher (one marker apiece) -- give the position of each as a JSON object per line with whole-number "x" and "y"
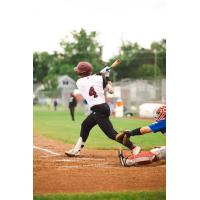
{"x": 145, "y": 157}
{"x": 92, "y": 88}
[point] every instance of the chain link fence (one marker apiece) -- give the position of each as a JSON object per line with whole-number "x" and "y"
{"x": 137, "y": 92}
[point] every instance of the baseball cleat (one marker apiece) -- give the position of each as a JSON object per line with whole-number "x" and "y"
{"x": 123, "y": 136}
{"x": 122, "y": 159}
{"x": 136, "y": 150}
{"x": 73, "y": 152}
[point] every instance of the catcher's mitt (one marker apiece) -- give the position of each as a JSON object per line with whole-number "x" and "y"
{"x": 123, "y": 138}
{"x": 120, "y": 136}
{"x": 126, "y": 139}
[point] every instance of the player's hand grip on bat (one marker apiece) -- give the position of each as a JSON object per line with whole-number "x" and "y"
{"x": 105, "y": 71}
{"x": 109, "y": 87}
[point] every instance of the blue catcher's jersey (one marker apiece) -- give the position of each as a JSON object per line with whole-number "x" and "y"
{"x": 158, "y": 126}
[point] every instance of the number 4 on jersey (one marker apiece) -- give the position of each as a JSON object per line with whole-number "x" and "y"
{"x": 92, "y": 92}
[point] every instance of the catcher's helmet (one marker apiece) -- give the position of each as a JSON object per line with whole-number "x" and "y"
{"x": 83, "y": 69}
{"x": 160, "y": 113}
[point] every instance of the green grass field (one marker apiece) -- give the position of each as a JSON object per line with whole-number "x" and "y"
{"x": 105, "y": 196}
{"x": 59, "y": 126}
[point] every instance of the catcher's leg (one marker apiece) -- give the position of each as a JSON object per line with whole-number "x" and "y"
{"x": 145, "y": 157}
{"x": 160, "y": 152}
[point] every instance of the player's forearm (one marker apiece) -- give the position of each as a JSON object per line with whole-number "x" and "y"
{"x": 109, "y": 87}
{"x": 140, "y": 131}
{"x": 145, "y": 130}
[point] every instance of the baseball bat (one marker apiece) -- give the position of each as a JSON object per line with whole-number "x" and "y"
{"x": 117, "y": 62}
{"x": 106, "y": 69}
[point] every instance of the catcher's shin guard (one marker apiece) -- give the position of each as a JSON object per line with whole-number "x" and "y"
{"x": 145, "y": 157}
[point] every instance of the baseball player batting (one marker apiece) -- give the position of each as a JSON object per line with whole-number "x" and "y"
{"x": 92, "y": 88}
{"x": 154, "y": 154}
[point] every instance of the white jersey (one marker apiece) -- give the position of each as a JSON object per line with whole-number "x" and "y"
{"x": 91, "y": 88}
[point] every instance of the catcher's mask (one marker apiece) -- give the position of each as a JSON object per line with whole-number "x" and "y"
{"x": 83, "y": 69}
{"x": 160, "y": 113}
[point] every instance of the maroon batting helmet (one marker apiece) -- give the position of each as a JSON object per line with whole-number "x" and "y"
{"x": 83, "y": 69}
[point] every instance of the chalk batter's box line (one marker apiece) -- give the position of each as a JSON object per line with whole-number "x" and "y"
{"x": 46, "y": 150}
{"x": 54, "y": 154}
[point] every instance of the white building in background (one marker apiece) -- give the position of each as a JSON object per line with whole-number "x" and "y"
{"x": 66, "y": 85}
{"x": 66, "y": 82}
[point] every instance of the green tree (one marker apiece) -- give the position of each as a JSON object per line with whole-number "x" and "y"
{"x": 128, "y": 55}
{"x": 83, "y": 47}
{"x": 55, "y": 60}
{"x": 40, "y": 66}
{"x": 134, "y": 58}
{"x": 159, "y": 48}
{"x": 147, "y": 71}
{"x": 50, "y": 82}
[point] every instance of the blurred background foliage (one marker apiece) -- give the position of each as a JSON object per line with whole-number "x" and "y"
{"x": 137, "y": 62}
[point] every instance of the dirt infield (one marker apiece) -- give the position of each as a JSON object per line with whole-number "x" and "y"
{"x": 93, "y": 171}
